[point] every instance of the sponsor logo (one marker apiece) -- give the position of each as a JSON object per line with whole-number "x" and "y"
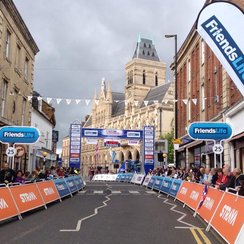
{"x": 27, "y": 197}
{"x": 229, "y": 214}
{"x": 226, "y": 45}
{"x": 183, "y": 190}
{"x": 91, "y": 132}
{"x": 48, "y": 191}
{"x": 133, "y": 134}
{"x": 174, "y": 187}
{"x": 208, "y": 203}
{"x": 70, "y": 183}
{"x": 166, "y": 184}
{"x": 61, "y": 187}
{"x": 210, "y": 130}
{"x": 3, "y": 204}
{"x": 194, "y": 195}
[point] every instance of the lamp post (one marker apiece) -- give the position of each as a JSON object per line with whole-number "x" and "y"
{"x": 44, "y": 154}
{"x": 176, "y": 88}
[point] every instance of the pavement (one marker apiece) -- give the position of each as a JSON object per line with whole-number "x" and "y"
{"x": 105, "y": 213}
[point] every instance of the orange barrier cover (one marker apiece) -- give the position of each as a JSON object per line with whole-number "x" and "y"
{"x": 229, "y": 217}
{"x": 48, "y": 191}
{"x": 27, "y": 197}
{"x": 7, "y": 206}
{"x": 210, "y": 204}
{"x": 184, "y": 191}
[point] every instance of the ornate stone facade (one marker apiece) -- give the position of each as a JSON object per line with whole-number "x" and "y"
{"x": 147, "y": 100}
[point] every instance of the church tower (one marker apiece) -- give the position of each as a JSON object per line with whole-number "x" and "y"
{"x": 143, "y": 72}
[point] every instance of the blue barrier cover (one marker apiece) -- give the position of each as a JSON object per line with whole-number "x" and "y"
{"x": 151, "y": 182}
{"x": 166, "y": 185}
{"x": 158, "y": 182}
{"x": 175, "y": 186}
{"x": 78, "y": 182}
{"x": 71, "y": 184}
{"x": 118, "y": 177}
{"x": 62, "y": 187}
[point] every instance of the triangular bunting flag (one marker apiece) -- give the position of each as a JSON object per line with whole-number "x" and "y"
{"x": 155, "y": 101}
{"x": 58, "y": 100}
{"x": 126, "y": 102}
{"x": 194, "y": 100}
{"x": 175, "y": 100}
{"x": 49, "y": 99}
{"x": 116, "y": 101}
{"x": 146, "y": 103}
{"x": 136, "y": 103}
{"x": 39, "y": 98}
{"x": 165, "y": 101}
{"x": 184, "y": 101}
{"x": 77, "y": 101}
{"x": 68, "y": 101}
{"x": 87, "y": 101}
{"x": 97, "y": 102}
{"x": 29, "y": 98}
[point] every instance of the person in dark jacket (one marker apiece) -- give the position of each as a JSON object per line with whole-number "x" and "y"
{"x": 241, "y": 188}
{"x": 7, "y": 175}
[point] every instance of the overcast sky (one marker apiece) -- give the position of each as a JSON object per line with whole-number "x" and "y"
{"x": 82, "y": 41}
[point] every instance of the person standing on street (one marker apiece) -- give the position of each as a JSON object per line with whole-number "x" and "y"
{"x": 7, "y": 175}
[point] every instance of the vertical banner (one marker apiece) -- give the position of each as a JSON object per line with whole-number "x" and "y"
{"x": 148, "y": 148}
{"x": 75, "y": 145}
{"x": 221, "y": 25}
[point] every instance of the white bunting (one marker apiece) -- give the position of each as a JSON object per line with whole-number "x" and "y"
{"x": 175, "y": 100}
{"x": 87, "y": 102}
{"x": 194, "y": 100}
{"x": 126, "y": 102}
{"x": 116, "y": 101}
{"x": 77, "y": 101}
{"x": 146, "y": 103}
{"x": 49, "y": 99}
{"x": 155, "y": 101}
{"x": 165, "y": 101}
{"x": 97, "y": 102}
{"x": 184, "y": 101}
{"x": 29, "y": 98}
{"x": 58, "y": 100}
{"x": 68, "y": 101}
{"x": 136, "y": 103}
{"x": 39, "y": 98}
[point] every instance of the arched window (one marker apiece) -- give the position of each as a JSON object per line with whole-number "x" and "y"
{"x": 156, "y": 79}
{"x": 144, "y": 77}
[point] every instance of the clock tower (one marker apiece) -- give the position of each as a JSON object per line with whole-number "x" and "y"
{"x": 143, "y": 72}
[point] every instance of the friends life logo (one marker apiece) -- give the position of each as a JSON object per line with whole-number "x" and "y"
{"x": 226, "y": 45}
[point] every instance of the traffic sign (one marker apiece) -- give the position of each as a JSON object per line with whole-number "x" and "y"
{"x": 11, "y": 151}
{"x": 218, "y": 148}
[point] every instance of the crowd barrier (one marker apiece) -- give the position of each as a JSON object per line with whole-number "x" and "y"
{"x": 16, "y": 199}
{"x": 104, "y": 177}
{"x": 223, "y": 211}
{"x": 124, "y": 177}
{"x": 137, "y": 179}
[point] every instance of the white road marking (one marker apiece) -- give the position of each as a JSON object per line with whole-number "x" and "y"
{"x": 173, "y": 209}
{"x": 81, "y": 192}
{"x": 151, "y": 192}
{"x": 134, "y": 192}
{"x": 115, "y": 192}
{"x": 98, "y": 192}
{"x": 88, "y": 217}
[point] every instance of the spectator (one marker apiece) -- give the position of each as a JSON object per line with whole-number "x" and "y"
{"x": 7, "y": 174}
{"x": 225, "y": 179}
{"x": 20, "y": 177}
{"x": 207, "y": 177}
{"x": 220, "y": 176}
{"x": 61, "y": 172}
{"x": 241, "y": 188}
{"x": 234, "y": 179}
{"x": 199, "y": 175}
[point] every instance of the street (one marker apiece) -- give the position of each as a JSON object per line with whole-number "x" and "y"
{"x": 109, "y": 213}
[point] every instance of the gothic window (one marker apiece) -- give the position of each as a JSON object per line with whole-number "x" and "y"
{"x": 143, "y": 53}
{"x": 149, "y": 46}
{"x": 153, "y": 54}
{"x": 145, "y": 45}
{"x": 144, "y": 77}
{"x": 156, "y": 79}
{"x": 148, "y": 53}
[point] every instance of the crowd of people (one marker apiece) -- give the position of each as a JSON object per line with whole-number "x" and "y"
{"x": 8, "y": 175}
{"x": 220, "y": 178}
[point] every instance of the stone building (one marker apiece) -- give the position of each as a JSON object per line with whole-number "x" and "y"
{"x": 17, "y": 56}
{"x": 207, "y": 93}
{"x": 146, "y": 100}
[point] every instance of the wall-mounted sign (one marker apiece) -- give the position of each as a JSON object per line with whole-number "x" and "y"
{"x": 19, "y": 134}
{"x": 210, "y": 131}
{"x": 221, "y": 25}
{"x": 148, "y": 148}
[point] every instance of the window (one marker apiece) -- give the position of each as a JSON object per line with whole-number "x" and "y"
{"x": 202, "y": 52}
{"x": 7, "y": 47}
{"x": 4, "y": 96}
{"x": 189, "y": 70}
{"x": 144, "y": 77}
{"x": 156, "y": 79}
{"x": 26, "y": 68}
{"x": 17, "y": 58}
{"x": 23, "y": 112}
{"x": 203, "y": 97}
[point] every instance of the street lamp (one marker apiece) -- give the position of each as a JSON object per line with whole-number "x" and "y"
{"x": 176, "y": 88}
{"x": 44, "y": 154}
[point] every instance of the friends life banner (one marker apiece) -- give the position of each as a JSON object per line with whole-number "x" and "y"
{"x": 221, "y": 25}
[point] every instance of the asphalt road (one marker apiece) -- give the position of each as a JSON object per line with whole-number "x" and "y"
{"x": 105, "y": 213}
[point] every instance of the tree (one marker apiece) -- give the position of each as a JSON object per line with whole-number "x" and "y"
{"x": 170, "y": 136}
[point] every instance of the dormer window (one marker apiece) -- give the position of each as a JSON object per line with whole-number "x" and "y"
{"x": 156, "y": 79}
{"x": 144, "y": 77}
{"x": 149, "y": 46}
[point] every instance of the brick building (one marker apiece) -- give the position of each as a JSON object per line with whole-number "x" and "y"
{"x": 207, "y": 93}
